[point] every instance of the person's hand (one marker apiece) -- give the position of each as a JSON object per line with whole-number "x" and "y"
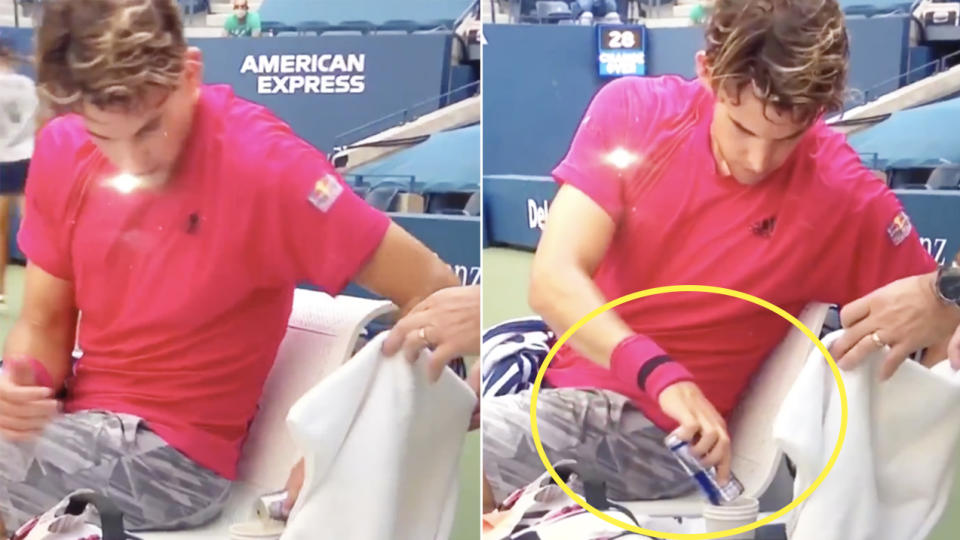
{"x": 25, "y": 408}
{"x": 953, "y": 351}
{"x": 473, "y": 379}
{"x": 447, "y": 321}
{"x": 700, "y": 425}
{"x": 906, "y": 316}
{"x": 294, "y": 485}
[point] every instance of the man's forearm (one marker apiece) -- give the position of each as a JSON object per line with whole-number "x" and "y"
{"x": 51, "y": 345}
{"x": 563, "y": 297}
{"x": 437, "y": 276}
{"x": 404, "y": 271}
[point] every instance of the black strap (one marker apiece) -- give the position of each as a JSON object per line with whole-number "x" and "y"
{"x": 648, "y": 368}
{"x": 595, "y": 492}
{"x": 594, "y": 489}
{"x": 111, "y": 518}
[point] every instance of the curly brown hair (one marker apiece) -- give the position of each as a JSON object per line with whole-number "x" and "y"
{"x": 108, "y": 52}
{"x": 794, "y": 53}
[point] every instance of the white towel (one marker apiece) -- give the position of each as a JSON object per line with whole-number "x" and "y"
{"x": 382, "y": 446}
{"x": 895, "y": 471}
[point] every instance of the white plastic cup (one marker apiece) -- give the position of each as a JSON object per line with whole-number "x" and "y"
{"x": 256, "y": 530}
{"x": 740, "y": 512}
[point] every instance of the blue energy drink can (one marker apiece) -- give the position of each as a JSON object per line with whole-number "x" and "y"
{"x": 706, "y": 477}
{"x": 270, "y": 506}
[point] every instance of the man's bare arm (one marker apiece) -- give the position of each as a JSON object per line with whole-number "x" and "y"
{"x": 46, "y": 328}
{"x": 562, "y": 289}
{"x": 404, "y": 270}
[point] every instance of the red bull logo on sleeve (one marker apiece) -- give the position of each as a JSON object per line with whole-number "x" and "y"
{"x": 325, "y": 192}
{"x": 899, "y": 229}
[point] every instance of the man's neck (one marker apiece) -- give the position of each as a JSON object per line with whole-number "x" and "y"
{"x": 721, "y": 164}
{"x": 194, "y": 111}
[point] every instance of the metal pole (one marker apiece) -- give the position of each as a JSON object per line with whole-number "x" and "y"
{"x": 16, "y": 14}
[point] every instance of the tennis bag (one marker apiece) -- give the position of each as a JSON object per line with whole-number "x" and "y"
{"x": 76, "y": 517}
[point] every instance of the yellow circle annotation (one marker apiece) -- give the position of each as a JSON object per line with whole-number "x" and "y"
{"x": 690, "y": 288}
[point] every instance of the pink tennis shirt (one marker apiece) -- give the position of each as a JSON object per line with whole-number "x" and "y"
{"x": 186, "y": 291}
{"x": 820, "y": 228}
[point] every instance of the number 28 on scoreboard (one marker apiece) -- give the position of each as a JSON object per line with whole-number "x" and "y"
{"x": 621, "y": 50}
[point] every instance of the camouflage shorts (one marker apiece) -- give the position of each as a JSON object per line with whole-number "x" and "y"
{"x": 598, "y": 428}
{"x": 154, "y": 485}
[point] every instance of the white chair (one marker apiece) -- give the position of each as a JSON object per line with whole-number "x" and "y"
{"x": 321, "y": 335}
{"x": 756, "y": 455}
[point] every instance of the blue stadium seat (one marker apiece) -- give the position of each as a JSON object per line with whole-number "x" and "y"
{"x": 553, "y": 12}
{"x": 441, "y": 187}
{"x": 376, "y": 11}
{"x": 361, "y": 191}
{"x": 474, "y": 203}
{"x": 438, "y": 23}
{"x": 446, "y": 198}
{"x": 402, "y": 25}
{"x": 944, "y": 177}
{"x": 274, "y": 28}
{"x": 401, "y": 186}
{"x": 316, "y": 27}
{"x": 364, "y": 27}
{"x": 382, "y": 197}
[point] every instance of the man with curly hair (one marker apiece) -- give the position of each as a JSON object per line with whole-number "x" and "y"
{"x": 178, "y": 218}
{"x": 731, "y": 179}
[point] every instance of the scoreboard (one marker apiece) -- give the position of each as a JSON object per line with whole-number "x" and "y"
{"x": 621, "y": 50}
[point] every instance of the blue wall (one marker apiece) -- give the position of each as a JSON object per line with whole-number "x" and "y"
{"x": 400, "y": 71}
{"x": 515, "y": 207}
{"x": 538, "y": 80}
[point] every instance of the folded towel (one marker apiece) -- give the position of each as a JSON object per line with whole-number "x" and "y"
{"x": 382, "y": 447}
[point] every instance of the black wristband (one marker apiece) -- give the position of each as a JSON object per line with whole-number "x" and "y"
{"x": 648, "y": 368}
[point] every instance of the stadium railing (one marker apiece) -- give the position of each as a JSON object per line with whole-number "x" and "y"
{"x": 274, "y": 28}
{"x": 890, "y": 84}
{"x": 400, "y": 117}
{"x": 369, "y": 181}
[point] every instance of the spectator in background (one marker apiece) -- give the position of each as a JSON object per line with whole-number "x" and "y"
{"x": 586, "y": 10}
{"x": 18, "y": 106}
{"x": 242, "y": 22}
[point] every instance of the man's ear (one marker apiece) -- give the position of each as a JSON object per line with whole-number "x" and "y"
{"x": 193, "y": 67}
{"x": 703, "y": 69}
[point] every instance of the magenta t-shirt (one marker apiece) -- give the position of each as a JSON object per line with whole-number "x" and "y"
{"x": 820, "y": 228}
